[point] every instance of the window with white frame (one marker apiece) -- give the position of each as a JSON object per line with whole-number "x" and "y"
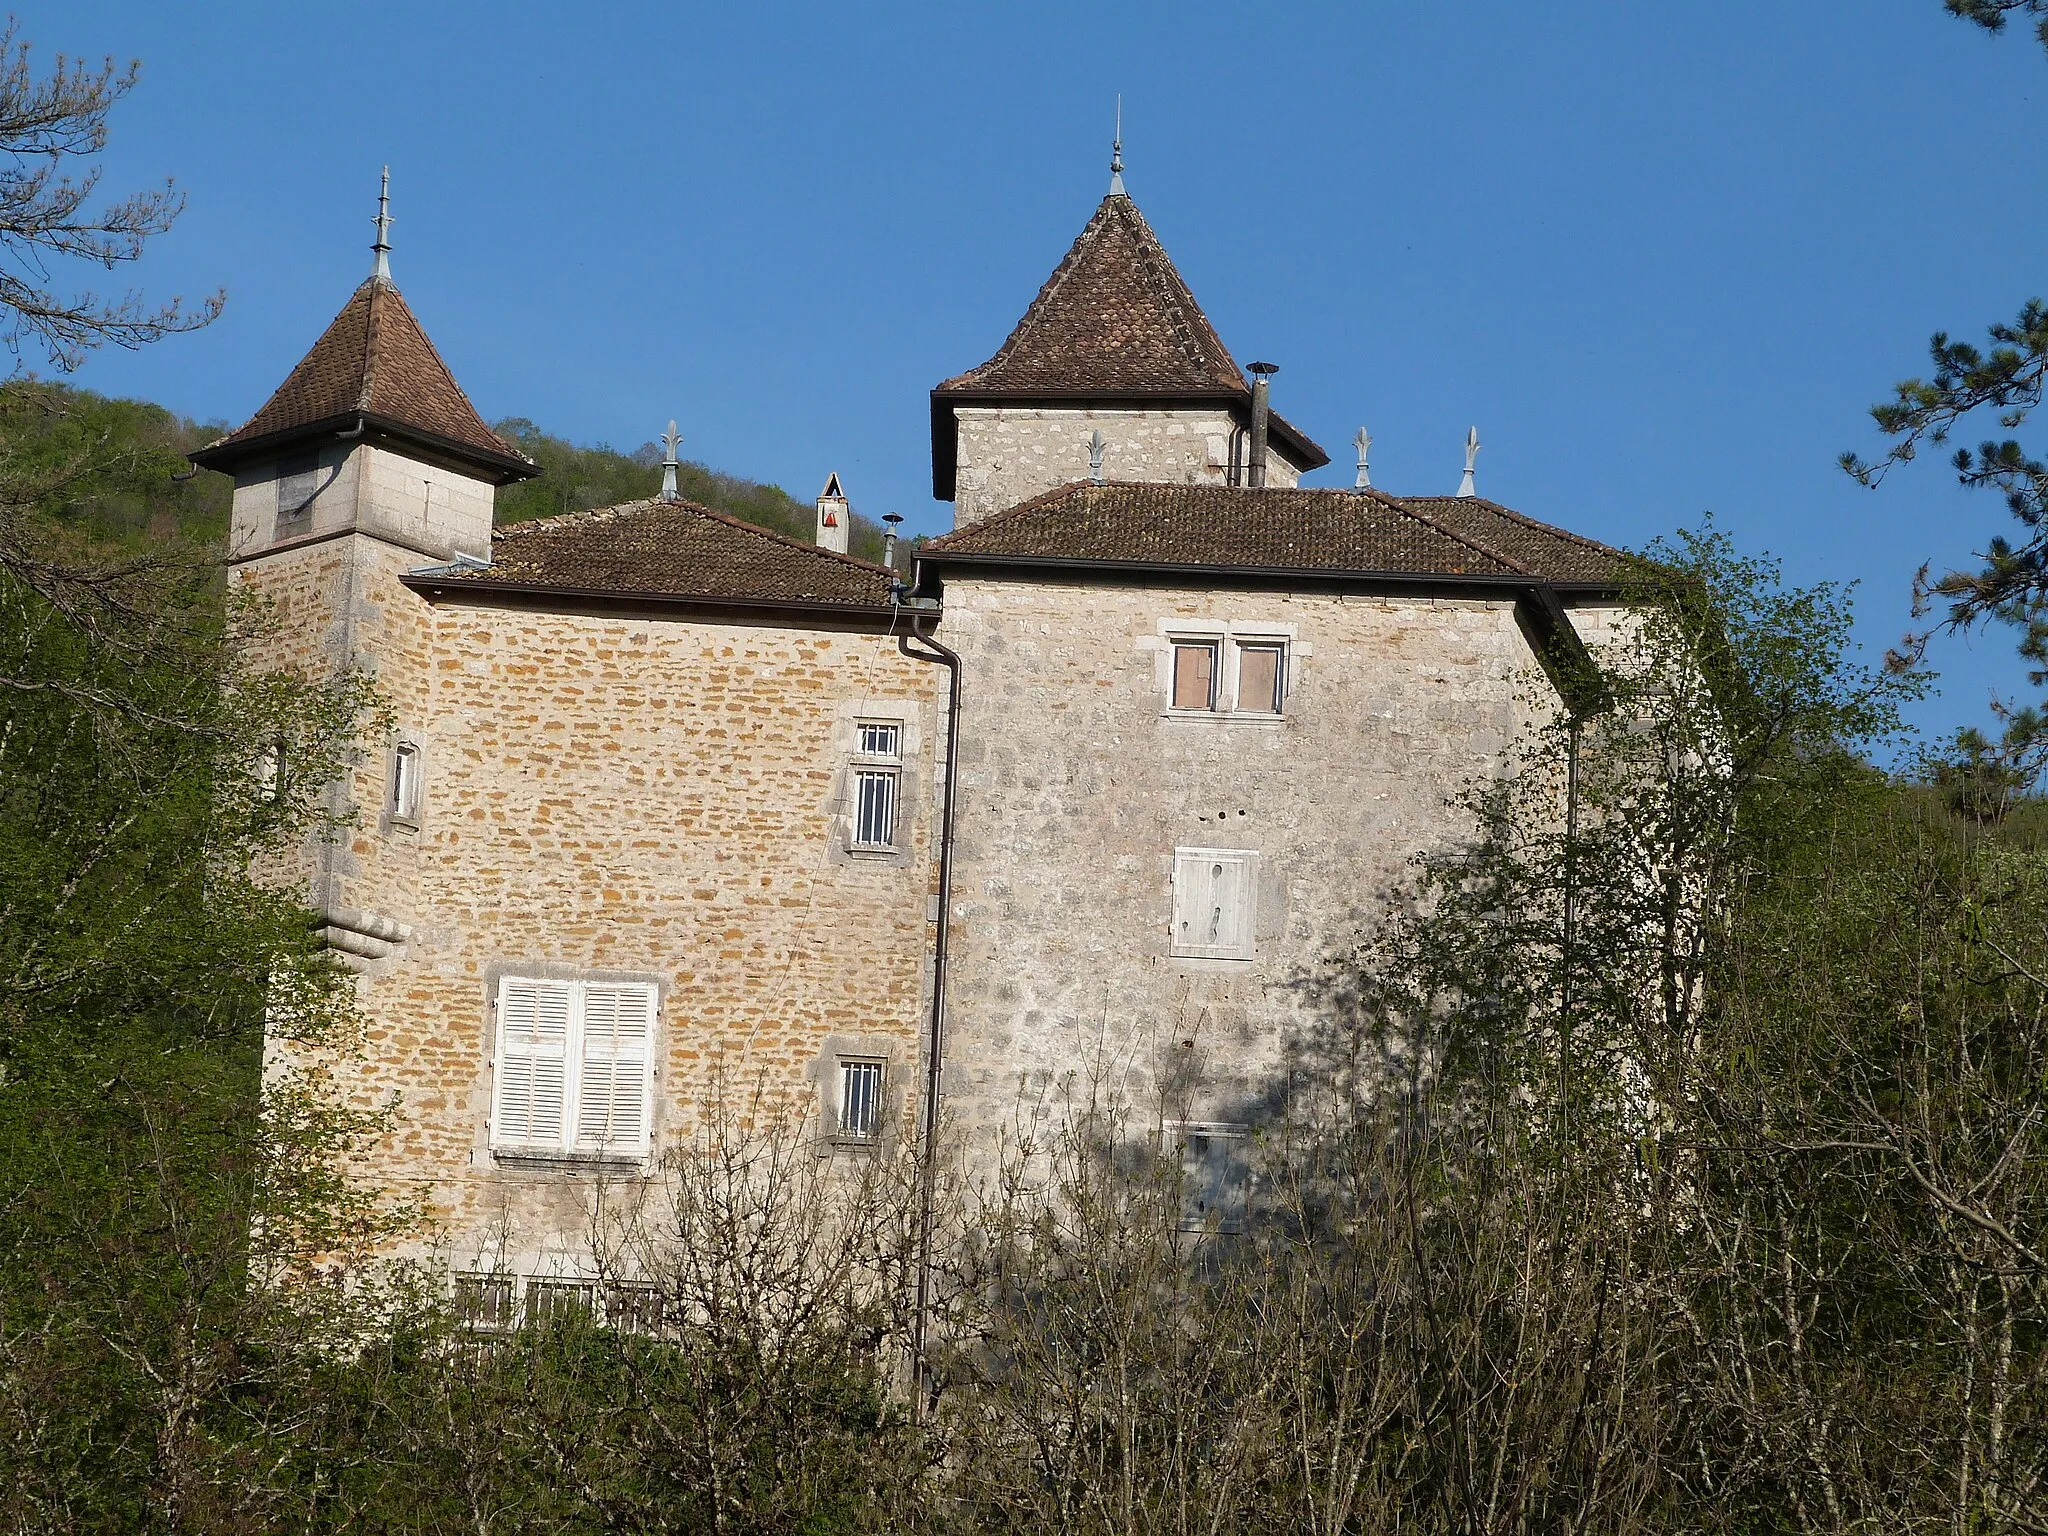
{"x": 1261, "y": 676}
{"x": 860, "y": 1099}
{"x": 1195, "y": 673}
{"x": 405, "y": 781}
{"x": 1214, "y": 892}
{"x": 876, "y": 781}
{"x": 1228, "y": 673}
{"x": 575, "y": 1068}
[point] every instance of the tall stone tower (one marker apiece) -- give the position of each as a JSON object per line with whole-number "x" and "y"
{"x": 367, "y": 462}
{"x": 1113, "y": 343}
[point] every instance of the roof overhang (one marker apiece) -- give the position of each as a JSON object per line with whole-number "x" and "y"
{"x": 798, "y": 613}
{"x": 498, "y": 468}
{"x": 1299, "y": 447}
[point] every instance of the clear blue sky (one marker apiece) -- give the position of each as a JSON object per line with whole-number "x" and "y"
{"x": 1663, "y": 255}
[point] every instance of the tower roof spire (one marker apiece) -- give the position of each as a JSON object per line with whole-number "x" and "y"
{"x": 381, "y": 266}
{"x": 1116, "y": 153}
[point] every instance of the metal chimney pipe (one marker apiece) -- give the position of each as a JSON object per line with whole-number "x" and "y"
{"x": 889, "y": 538}
{"x": 1262, "y": 409}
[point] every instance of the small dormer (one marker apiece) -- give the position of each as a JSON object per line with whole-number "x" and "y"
{"x": 370, "y": 433}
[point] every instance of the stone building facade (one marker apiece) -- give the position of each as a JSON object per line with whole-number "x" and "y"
{"x": 664, "y": 806}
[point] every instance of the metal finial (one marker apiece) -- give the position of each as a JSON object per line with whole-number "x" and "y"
{"x": 671, "y": 440}
{"x": 1116, "y": 153}
{"x": 1095, "y": 447}
{"x": 381, "y": 267}
{"x": 1465, "y": 486}
{"x": 889, "y": 538}
{"x": 1363, "y": 443}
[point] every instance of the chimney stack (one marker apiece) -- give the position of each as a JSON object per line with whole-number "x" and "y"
{"x": 1262, "y": 373}
{"x": 835, "y": 517}
{"x": 889, "y": 538}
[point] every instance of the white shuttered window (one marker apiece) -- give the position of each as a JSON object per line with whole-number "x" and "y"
{"x": 1213, "y": 894}
{"x": 574, "y": 1069}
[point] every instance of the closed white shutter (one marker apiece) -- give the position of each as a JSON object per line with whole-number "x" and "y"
{"x": 617, "y": 1069}
{"x": 532, "y": 1069}
{"x": 1212, "y": 902}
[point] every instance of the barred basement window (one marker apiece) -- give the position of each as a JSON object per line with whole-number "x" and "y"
{"x": 633, "y": 1308}
{"x": 877, "y": 774}
{"x": 558, "y": 1301}
{"x": 484, "y": 1302}
{"x": 860, "y": 1099}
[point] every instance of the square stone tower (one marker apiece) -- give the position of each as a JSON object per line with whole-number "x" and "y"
{"x": 1116, "y": 344}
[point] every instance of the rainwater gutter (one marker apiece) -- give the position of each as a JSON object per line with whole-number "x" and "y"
{"x": 939, "y": 654}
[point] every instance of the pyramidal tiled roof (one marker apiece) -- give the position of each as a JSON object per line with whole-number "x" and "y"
{"x": 373, "y": 363}
{"x": 666, "y": 549}
{"x": 1114, "y": 318}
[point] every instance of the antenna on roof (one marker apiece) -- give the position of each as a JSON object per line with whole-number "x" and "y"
{"x": 1116, "y": 153}
{"x": 1363, "y": 443}
{"x": 1465, "y": 486}
{"x": 381, "y": 267}
{"x": 671, "y": 440}
{"x": 1095, "y": 447}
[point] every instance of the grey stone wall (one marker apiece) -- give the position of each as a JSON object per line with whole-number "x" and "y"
{"x": 427, "y": 508}
{"x": 1009, "y": 454}
{"x": 1077, "y": 783}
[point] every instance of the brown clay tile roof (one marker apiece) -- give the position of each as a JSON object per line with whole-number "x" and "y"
{"x": 671, "y": 549}
{"x": 1282, "y": 529}
{"x": 1114, "y": 318}
{"x": 1114, "y": 321}
{"x": 373, "y": 361}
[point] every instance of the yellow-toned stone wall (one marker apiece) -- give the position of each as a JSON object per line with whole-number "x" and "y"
{"x": 652, "y": 797}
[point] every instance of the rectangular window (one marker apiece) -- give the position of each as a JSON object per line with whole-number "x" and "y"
{"x": 405, "y": 781}
{"x": 484, "y": 1301}
{"x": 1194, "y": 674}
{"x": 298, "y": 481}
{"x": 558, "y": 1301}
{"x": 633, "y": 1308}
{"x": 860, "y": 1099}
{"x": 1215, "y": 1166}
{"x": 877, "y": 774}
{"x": 575, "y": 1067}
{"x": 874, "y": 808}
{"x": 1261, "y": 678}
{"x": 1213, "y": 893}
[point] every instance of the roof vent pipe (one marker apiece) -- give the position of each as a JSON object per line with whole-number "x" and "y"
{"x": 889, "y": 538}
{"x": 1262, "y": 373}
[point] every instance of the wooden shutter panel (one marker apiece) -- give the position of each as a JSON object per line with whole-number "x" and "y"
{"x": 532, "y": 1069}
{"x": 1194, "y": 677}
{"x": 1231, "y": 913}
{"x": 617, "y": 1068}
{"x": 1258, "y": 678}
{"x": 1212, "y": 903}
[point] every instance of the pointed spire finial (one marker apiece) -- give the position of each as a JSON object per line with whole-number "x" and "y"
{"x": 1363, "y": 443}
{"x": 1095, "y": 447}
{"x": 1465, "y": 486}
{"x": 381, "y": 267}
{"x": 1116, "y": 152}
{"x": 671, "y": 440}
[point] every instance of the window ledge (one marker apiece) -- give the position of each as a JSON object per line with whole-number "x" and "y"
{"x": 554, "y": 1160}
{"x": 873, "y": 850}
{"x": 1226, "y": 716}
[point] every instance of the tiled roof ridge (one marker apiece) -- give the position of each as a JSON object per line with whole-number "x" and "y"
{"x": 1452, "y": 534}
{"x": 1042, "y": 499}
{"x": 373, "y": 357}
{"x": 697, "y": 508}
{"x": 1173, "y": 292}
{"x": 1551, "y": 528}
